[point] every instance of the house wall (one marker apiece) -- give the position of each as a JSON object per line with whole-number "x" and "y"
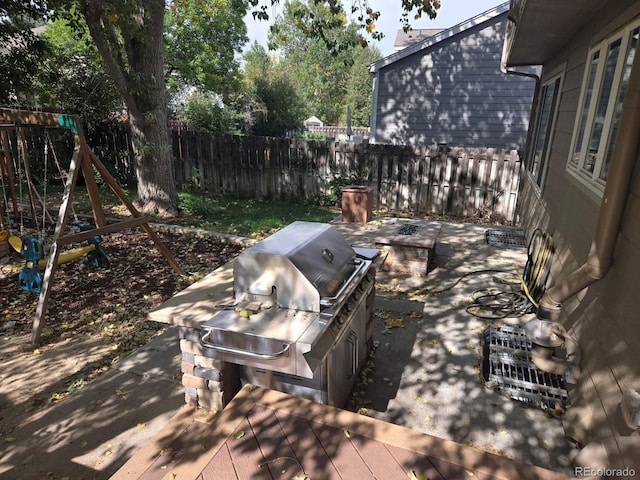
{"x": 605, "y": 317}
{"x": 454, "y": 92}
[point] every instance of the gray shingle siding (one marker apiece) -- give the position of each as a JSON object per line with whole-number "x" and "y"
{"x": 454, "y": 92}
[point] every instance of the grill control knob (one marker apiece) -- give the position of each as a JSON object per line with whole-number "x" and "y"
{"x": 339, "y": 319}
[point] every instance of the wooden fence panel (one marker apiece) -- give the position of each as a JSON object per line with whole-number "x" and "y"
{"x": 461, "y": 182}
{"x": 479, "y": 183}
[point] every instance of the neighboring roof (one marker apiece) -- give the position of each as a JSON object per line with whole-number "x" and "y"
{"x": 439, "y": 37}
{"x": 404, "y": 39}
{"x": 538, "y": 28}
{"x": 313, "y": 121}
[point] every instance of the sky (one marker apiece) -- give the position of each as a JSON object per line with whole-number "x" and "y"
{"x": 450, "y": 13}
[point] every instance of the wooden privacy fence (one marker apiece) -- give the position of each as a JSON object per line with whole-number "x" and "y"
{"x": 460, "y": 182}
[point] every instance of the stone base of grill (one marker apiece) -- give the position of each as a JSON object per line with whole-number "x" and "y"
{"x": 208, "y": 383}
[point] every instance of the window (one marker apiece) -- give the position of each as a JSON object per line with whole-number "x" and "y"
{"x": 549, "y": 93}
{"x": 605, "y": 86}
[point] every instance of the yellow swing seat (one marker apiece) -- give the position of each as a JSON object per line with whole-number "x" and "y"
{"x": 64, "y": 257}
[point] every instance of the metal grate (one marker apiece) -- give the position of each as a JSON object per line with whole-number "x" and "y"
{"x": 408, "y": 229}
{"x": 506, "y": 238}
{"x": 508, "y": 369}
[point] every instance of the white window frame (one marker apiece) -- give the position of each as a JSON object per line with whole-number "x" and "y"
{"x": 540, "y": 174}
{"x": 576, "y": 166}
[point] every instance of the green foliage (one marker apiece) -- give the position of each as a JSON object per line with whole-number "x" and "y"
{"x": 73, "y": 78}
{"x": 205, "y": 112}
{"x": 328, "y": 79}
{"x": 321, "y": 79}
{"x": 275, "y": 105}
{"x": 21, "y": 50}
{"x": 354, "y": 177}
{"x": 248, "y": 217}
{"x": 319, "y": 26}
{"x": 201, "y": 39}
{"x": 359, "y": 90}
{"x": 310, "y": 136}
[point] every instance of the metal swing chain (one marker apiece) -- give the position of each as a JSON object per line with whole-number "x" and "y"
{"x": 5, "y": 199}
{"x": 18, "y": 168}
{"x": 44, "y": 186}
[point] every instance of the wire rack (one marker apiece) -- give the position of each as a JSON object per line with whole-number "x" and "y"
{"x": 506, "y": 238}
{"x": 507, "y": 368}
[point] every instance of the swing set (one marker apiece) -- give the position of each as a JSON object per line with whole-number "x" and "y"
{"x": 15, "y": 171}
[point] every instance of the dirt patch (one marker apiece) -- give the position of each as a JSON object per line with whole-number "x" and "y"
{"x": 95, "y": 318}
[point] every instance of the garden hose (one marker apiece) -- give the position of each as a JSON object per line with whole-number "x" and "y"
{"x": 524, "y": 292}
{"x": 489, "y": 305}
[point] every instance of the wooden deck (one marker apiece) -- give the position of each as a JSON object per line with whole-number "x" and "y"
{"x": 264, "y": 434}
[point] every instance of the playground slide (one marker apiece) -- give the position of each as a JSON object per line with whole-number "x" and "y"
{"x": 64, "y": 257}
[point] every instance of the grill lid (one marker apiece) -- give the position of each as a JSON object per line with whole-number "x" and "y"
{"x": 296, "y": 267}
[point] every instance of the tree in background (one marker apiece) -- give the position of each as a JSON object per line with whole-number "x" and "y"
{"x": 21, "y": 49}
{"x": 359, "y": 91}
{"x": 206, "y": 112}
{"x": 129, "y": 36}
{"x": 203, "y": 70}
{"x": 365, "y": 15}
{"x": 326, "y": 80}
{"x": 201, "y": 40}
{"x": 271, "y": 96}
{"x": 73, "y": 79}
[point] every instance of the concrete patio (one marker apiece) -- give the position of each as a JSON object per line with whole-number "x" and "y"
{"x": 426, "y": 374}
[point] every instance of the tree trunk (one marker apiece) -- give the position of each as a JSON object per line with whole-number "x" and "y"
{"x": 157, "y": 193}
{"x": 131, "y": 45}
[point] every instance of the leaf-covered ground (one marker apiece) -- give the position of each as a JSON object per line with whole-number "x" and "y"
{"x": 95, "y": 316}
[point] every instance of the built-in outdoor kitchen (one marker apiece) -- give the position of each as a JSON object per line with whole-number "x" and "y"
{"x": 292, "y": 312}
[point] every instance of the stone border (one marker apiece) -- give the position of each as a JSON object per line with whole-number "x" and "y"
{"x": 200, "y": 232}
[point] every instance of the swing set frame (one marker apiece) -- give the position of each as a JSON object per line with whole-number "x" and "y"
{"x": 85, "y": 160}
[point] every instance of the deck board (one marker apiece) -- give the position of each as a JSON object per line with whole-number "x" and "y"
{"x": 381, "y": 462}
{"x": 246, "y": 455}
{"x": 410, "y": 462}
{"x": 277, "y": 453}
{"x": 454, "y": 470}
{"x": 343, "y": 454}
{"x": 277, "y": 426}
{"x": 313, "y": 457}
{"x": 220, "y": 467}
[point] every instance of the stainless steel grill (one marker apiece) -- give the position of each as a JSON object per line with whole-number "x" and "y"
{"x": 299, "y": 319}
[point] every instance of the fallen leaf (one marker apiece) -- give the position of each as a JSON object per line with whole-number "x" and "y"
{"x": 142, "y": 425}
{"x": 123, "y": 393}
{"x": 10, "y": 439}
{"x": 412, "y": 476}
{"x": 240, "y": 434}
{"x": 470, "y": 473}
{"x": 346, "y": 433}
{"x": 37, "y": 351}
{"x": 394, "y": 323}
